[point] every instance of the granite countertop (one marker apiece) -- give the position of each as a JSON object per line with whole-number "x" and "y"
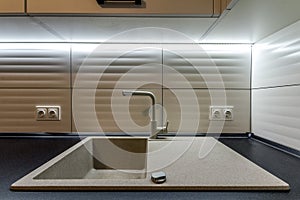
{"x": 21, "y": 155}
{"x": 201, "y": 163}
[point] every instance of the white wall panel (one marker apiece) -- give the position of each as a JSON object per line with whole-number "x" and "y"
{"x": 276, "y": 59}
{"x": 34, "y": 65}
{"x": 117, "y": 66}
{"x": 207, "y": 66}
{"x": 276, "y": 68}
{"x": 276, "y": 115}
{"x": 18, "y": 111}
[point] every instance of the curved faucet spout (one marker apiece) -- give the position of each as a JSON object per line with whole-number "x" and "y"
{"x": 154, "y": 129}
{"x": 142, "y": 93}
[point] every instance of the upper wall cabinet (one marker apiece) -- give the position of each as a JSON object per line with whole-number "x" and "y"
{"x": 12, "y": 6}
{"x": 147, "y": 7}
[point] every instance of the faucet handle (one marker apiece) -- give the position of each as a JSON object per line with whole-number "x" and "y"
{"x": 167, "y": 124}
{"x": 165, "y": 128}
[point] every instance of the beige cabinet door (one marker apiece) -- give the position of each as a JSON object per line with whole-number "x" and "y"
{"x": 12, "y": 6}
{"x": 159, "y": 7}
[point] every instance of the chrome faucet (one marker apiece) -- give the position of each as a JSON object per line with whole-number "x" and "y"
{"x": 155, "y": 130}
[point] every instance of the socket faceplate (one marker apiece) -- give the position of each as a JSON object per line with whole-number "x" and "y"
{"x": 48, "y": 113}
{"x": 221, "y": 113}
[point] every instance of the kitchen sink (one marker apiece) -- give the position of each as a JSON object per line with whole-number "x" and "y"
{"x": 127, "y": 163}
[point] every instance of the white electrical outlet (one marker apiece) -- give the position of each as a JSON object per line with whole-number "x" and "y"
{"x": 41, "y": 113}
{"x": 54, "y": 113}
{"x": 48, "y": 113}
{"x": 216, "y": 114}
{"x": 228, "y": 114}
{"x": 221, "y": 113}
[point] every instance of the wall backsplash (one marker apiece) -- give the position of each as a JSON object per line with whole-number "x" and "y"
{"x": 49, "y": 74}
{"x": 276, "y": 87}
{"x": 34, "y": 65}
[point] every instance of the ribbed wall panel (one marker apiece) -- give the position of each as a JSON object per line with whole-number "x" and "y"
{"x": 34, "y": 66}
{"x": 129, "y": 66}
{"x": 110, "y": 108}
{"x": 276, "y": 96}
{"x": 117, "y": 66}
{"x": 176, "y": 107}
{"x": 207, "y": 66}
{"x": 276, "y": 115}
{"x": 276, "y": 60}
{"x": 17, "y": 110}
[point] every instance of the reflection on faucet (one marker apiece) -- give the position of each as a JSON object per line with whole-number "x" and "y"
{"x": 155, "y": 130}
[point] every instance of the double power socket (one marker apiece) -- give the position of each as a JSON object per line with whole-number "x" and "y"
{"x": 48, "y": 113}
{"x": 221, "y": 113}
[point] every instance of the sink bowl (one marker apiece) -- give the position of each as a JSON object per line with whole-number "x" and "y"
{"x": 125, "y": 159}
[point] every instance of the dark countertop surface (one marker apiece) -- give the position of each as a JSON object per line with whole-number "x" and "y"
{"x": 21, "y": 155}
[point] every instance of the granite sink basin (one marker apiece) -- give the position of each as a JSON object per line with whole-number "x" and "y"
{"x": 126, "y": 159}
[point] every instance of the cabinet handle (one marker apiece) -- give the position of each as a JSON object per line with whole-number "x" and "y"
{"x": 136, "y": 2}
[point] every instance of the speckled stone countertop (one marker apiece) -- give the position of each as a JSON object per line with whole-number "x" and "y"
{"x": 200, "y": 163}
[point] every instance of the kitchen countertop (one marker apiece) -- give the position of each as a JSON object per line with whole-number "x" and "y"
{"x": 21, "y": 156}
